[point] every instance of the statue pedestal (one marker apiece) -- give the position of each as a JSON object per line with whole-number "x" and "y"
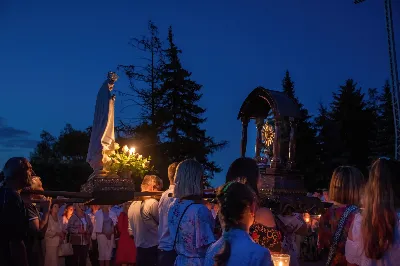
{"x": 109, "y": 190}
{"x": 281, "y": 181}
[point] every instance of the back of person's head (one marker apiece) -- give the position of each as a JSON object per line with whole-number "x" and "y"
{"x": 171, "y": 172}
{"x": 382, "y": 198}
{"x": 346, "y": 185}
{"x": 151, "y": 183}
{"x": 237, "y": 202}
{"x": 18, "y": 170}
{"x": 244, "y": 170}
{"x": 188, "y": 179}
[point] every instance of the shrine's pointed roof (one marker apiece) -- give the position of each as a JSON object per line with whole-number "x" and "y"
{"x": 260, "y": 101}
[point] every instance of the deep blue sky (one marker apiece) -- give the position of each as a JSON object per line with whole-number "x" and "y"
{"x": 54, "y": 55}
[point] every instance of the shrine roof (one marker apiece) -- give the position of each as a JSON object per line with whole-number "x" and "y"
{"x": 261, "y": 101}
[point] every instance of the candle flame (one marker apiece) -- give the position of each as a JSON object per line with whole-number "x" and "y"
{"x": 131, "y": 151}
{"x": 280, "y": 263}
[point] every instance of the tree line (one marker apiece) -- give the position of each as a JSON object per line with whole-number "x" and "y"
{"x": 353, "y": 129}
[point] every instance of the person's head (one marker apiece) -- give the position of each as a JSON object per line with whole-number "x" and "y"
{"x": 188, "y": 179}
{"x": 346, "y": 185}
{"x": 54, "y": 209}
{"x": 238, "y": 205}
{"x": 69, "y": 210}
{"x": 105, "y": 208}
{"x": 79, "y": 207}
{"x": 18, "y": 172}
{"x": 382, "y": 199}
{"x": 151, "y": 183}
{"x": 246, "y": 171}
{"x": 94, "y": 208}
{"x": 171, "y": 172}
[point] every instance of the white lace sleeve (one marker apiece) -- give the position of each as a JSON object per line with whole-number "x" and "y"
{"x": 354, "y": 250}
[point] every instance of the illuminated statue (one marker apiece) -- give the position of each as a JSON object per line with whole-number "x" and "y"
{"x": 102, "y": 138}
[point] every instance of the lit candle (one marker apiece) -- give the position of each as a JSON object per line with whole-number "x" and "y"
{"x": 280, "y": 259}
{"x": 131, "y": 151}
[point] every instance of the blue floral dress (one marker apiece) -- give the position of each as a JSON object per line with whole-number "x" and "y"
{"x": 195, "y": 232}
{"x": 244, "y": 251}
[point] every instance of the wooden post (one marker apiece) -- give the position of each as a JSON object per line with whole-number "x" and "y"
{"x": 292, "y": 143}
{"x": 243, "y": 144}
{"x": 276, "y": 158}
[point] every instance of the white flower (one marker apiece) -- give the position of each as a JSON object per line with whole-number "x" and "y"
{"x": 116, "y": 146}
{"x": 125, "y": 149}
{"x": 106, "y": 159}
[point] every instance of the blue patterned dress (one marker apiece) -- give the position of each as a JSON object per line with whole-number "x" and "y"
{"x": 244, "y": 251}
{"x": 195, "y": 232}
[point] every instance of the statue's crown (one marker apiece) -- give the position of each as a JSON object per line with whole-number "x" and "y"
{"x": 112, "y": 77}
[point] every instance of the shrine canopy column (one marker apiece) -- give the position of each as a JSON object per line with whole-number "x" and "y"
{"x": 292, "y": 143}
{"x": 276, "y": 159}
{"x": 243, "y": 144}
{"x": 259, "y": 144}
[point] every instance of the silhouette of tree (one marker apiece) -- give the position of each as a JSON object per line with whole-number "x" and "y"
{"x": 352, "y": 118}
{"x": 306, "y": 147}
{"x": 386, "y": 134}
{"x": 182, "y": 136}
{"x": 61, "y": 161}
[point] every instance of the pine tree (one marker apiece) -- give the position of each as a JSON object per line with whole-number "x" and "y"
{"x": 145, "y": 79}
{"x": 182, "y": 116}
{"x": 353, "y": 120}
{"x": 373, "y": 108}
{"x": 306, "y": 148}
{"x": 386, "y": 134}
{"x": 327, "y": 137}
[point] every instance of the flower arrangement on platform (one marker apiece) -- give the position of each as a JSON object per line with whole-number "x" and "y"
{"x": 126, "y": 162}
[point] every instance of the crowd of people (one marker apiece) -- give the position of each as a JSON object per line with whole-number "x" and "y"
{"x": 181, "y": 228}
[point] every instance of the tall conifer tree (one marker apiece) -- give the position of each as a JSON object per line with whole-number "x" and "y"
{"x": 353, "y": 120}
{"x": 306, "y": 149}
{"x": 386, "y": 134}
{"x": 183, "y": 136}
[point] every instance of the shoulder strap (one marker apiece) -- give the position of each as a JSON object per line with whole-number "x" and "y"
{"x": 179, "y": 223}
{"x": 339, "y": 232}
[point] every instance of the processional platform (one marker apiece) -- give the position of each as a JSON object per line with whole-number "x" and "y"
{"x": 276, "y": 117}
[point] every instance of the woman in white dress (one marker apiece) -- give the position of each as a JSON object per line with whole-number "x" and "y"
{"x": 104, "y": 229}
{"x": 53, "y": 238}
{"x": 374, "y": 237}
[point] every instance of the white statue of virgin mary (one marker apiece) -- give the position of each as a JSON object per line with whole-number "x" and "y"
{"x": 103, "y": 136}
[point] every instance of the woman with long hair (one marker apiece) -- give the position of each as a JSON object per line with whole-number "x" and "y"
{"x": 53, "y": 237}
{"x": 238, "y": 209}
{"x": 345, "y": 191}
{"x": 263, "y": 230}
{"x": 374, "y": 237}
{"x": 190, "y": 222}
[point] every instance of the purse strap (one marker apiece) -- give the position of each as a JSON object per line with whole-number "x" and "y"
{"x": 339, "y": 232}
{"x": 179, "y": 223}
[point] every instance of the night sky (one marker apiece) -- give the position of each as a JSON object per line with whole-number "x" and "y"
{"x": 55, "y": 56}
